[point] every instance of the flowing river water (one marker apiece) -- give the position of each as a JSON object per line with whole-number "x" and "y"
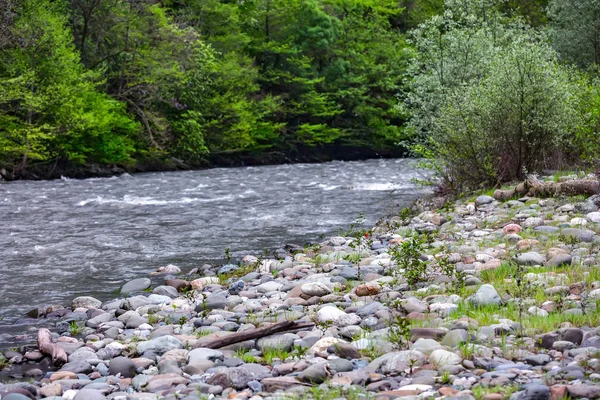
{"x": 65, "y": 238}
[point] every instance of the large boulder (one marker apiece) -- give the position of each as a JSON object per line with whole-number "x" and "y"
{"x": 486, "y": 295}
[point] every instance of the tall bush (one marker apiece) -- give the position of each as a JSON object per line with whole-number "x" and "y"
{"x": 489, "y": 100}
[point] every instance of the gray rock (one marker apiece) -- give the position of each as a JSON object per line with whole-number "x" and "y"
{"x": 236, "y": 378}
{"x": 78, "y": 367}
{"x": 166, "y": 291}
{"x": 159, "y": 299}
{"x": 455, "y": 337}
{"x": 559, "y": 260}
{"x": 85, "y": 302}
{"x": 236, "y": 287}
{"x": 16, "y": 396}
{"x": 337, "y": 316}
{"x": 485, "y": 295}
{"x": 160, "y": 345}
{"x": 538, "y": 359}
{"x": 123, "y": 366}
{"x": 413, "y": 304}
{"x": 573, "y": 335}
{"x": 281, "y": 342}
{"x": 483, "y": 200}
{"x": 584, "y": 391}
{"x": 531, "y": 258}
{"x": 349, "y": 273}
{"x": 577, "y": 235}
{"x": 533, "y": 222}
{"x": 98, "y": 320}
{"x": 340, "y": 365}
{"x": 202, "y": 354}
{"x": 442, "y": 358}
{"x": 267, "y": 287}
{"x": 227, "y": 269}
{"x": 425, "y": 346}
{"x": 369, "y": 309}
{"x": 562, "y": 345}
{"x": 315, "y": 289}
{"x": 136, "y": 285}
{"x": 317, "y": 373}
{"x": 397, "y": 361}
{"x": 83, "y": 354}
{"x": 546, "y": 229}
{"x": 216, "y": 301}
{"x": 346, "y": 350}
{"x": 89, "y": 394}
{"x": 534, "y": 392}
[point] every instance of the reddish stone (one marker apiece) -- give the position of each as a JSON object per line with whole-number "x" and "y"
{"x": 493, "y": 396}
{"x": 448, "y": 391}
{"x": 368, "y": 289}
{"x": 558, "y": 392}
{"x": 511, "y": 229}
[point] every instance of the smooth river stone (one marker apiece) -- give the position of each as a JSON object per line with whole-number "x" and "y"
{"x": 136, "y": 285}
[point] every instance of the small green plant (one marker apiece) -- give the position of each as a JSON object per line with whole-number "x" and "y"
{"x": 399, "y": 332}
{"x": 152, "y": 318}
{"x": 445, "y": 378}
{"x": 272, "y": 354}
{"x": 75, "y": 328}
{"x": 450, "y": 270}
{"x": 408, "y": 258}
{"x": 479, "y": 391}
{"x": 467, "y": 350}
{"x": 227, "y": 255}
{"x": 202, "y": 332}
{"x": 355, "y": 227}
{"x": 245, "y": 356}
{"x": 405, "y": 214}
{"x": 299, "y": 351}
{"x": 3, "y": 362}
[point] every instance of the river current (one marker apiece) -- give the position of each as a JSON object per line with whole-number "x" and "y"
{"x": 64, "y": 238}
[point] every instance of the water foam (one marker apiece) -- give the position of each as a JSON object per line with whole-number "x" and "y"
{"x": 150, "y": 201}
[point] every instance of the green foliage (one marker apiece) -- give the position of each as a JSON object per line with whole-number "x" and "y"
{"x": 491, "y": 96}
{"x": 575, "y": 31}
{"x": 127, "y": 82}
{"x": 49, "y": 106}
{"x": 407, "y": 256}
{"x": 399, "y": 332}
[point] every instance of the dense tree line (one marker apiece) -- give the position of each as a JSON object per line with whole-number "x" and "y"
{"x": 132, "y": 82}
{"x": 167, "y": 83}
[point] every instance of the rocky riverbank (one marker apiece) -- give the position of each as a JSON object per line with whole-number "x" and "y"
{"x": 479, "y": 299}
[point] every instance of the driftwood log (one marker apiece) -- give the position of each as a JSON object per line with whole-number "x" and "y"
{"x": 532, "y": 186}
{"x": 45, "y": 345}
{"x": 257, "y": 333}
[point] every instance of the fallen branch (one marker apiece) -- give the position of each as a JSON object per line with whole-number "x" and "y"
{"x": 532, "y": 186}
{"x": 45, "y": 345}
{"x": 257, "y": 333}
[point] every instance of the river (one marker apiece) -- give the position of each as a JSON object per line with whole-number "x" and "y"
{"x": 64, "y": 238}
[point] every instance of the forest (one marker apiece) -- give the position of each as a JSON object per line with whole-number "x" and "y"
{"x": 483, "y": 90}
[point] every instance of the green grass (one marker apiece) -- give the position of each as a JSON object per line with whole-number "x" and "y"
{"x": 75, "y": 328}
{"x": 245, "y": 356}
{"x": 532, "y": 324}
{"x": 271, "y": 355}
{"x": 480, "y": 391}
{"x": 202, "y": 332}
{"x": 497, "y": 276}
{"x": 3, "y": 362}
{"x": 336, "y": 392}
{"x": 224, "y": 279}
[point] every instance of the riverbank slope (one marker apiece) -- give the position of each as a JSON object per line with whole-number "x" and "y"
{"x": 480, "y": 299}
